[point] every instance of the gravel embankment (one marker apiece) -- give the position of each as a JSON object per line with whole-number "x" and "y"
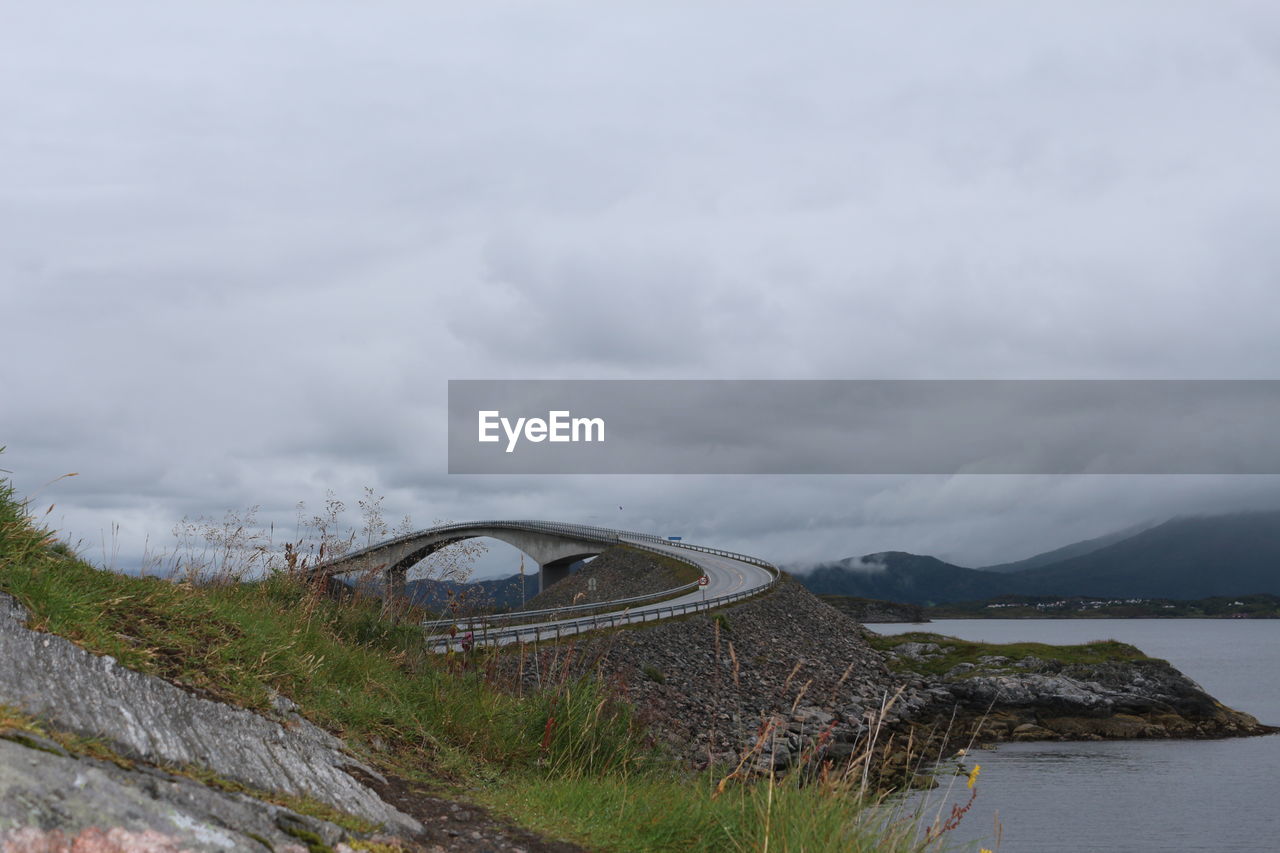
{"x": 705, "y": 683}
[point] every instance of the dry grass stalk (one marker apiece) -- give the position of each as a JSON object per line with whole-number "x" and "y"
{"x": 791, "y": 675}
{"x": 800, "y": 695}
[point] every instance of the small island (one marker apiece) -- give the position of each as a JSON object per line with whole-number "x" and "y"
{"x": 1256, "y": 606}
{"x": 1033, "y": 691}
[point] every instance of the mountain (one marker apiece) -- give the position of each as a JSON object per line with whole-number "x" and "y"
{"x": 1066, "y": 552}
{"x": 1183, "y": 558}
{"x": 478, "y": 596}
{"x": 899, "y": 576}
{"x": 487, "y": 595}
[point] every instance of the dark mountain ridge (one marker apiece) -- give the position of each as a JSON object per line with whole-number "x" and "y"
{"x": 1188, "y": 557}
{"x": 1066, "y": 552}
{"x": 900, "y": 576}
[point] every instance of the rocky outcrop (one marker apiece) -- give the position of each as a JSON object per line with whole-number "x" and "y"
{"x": 1034, "y": 698}
{"x": 51, "y": 800}
{"x": 143, "y": 717}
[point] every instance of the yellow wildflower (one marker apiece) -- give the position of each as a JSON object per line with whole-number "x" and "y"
{"x": 973, "y": 774}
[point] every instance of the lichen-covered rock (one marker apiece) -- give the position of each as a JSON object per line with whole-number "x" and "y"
{"x": 145, "y": 717}
{"x": 59, "y": 802}
{"x": 1142, "y": 698}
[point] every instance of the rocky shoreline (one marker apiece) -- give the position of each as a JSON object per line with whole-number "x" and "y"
{"x": 792, "y": 669}
{"x": 1037, "y": 698}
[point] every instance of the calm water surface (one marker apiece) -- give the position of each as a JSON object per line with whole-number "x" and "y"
{"x": 1136, "y": 795}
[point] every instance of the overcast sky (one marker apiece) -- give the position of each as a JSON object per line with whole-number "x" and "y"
{"x": 243, "y": 246}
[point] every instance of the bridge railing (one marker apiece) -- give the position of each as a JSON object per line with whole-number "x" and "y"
{"x": 524, "y": 616}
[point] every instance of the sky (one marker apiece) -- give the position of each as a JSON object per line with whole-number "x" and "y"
{"x": 244, "y": 246}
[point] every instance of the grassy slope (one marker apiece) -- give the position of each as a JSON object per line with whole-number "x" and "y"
{"x": 566, "y": 760}
{"x": 656, "y": 573}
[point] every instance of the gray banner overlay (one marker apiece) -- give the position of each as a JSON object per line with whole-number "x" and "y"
{"x": 864, "y": 426}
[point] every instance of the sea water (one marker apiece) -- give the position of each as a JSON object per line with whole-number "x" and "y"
{"x": 1131, "y": 796}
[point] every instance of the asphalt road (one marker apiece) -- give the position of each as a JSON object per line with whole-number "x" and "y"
{"x": 726, "y": 576}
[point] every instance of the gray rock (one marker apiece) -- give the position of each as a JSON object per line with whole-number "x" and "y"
{"x": 1032, "y": 689}
{"x": 838, "y": 753}
{"x": 144, "y": 717}
{"x": 850, "y": 734}
{"x": 812, "y": 717}
{"x": 282, "y": 704}
{"x": 50, "y": 798}
{"x": 917, "y": 651}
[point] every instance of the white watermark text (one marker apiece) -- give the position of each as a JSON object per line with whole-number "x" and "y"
{"x": 557, "y": 426}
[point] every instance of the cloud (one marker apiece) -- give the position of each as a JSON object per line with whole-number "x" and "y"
{"x": 243, "y": 255}
{"x": 867, "y": 565}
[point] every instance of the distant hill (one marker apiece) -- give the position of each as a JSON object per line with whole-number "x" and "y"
{"x": 488, "y": 595}
{"x": 869, "y": 610}
{"x": 899, "y": 576}
{"x": 1184, "y": 558}
{"x": 480, "y": 596}
{"x": 1066, "y": 552}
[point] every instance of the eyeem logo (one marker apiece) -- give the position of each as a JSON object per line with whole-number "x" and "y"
{"x": 558, "y": 426}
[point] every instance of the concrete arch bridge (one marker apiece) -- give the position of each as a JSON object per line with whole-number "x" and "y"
{"x": 555, "y": 546}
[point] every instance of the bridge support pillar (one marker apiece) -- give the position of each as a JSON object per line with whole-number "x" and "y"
{"x": 553, "y": 572}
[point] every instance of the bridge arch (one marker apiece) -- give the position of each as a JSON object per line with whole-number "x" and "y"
{"x": 553, "y": 547}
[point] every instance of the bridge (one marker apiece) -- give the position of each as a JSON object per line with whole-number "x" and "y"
{"x": 555, "y": 546}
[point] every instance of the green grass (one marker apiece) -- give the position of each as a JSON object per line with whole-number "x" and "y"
{"x": 656, "y": 812}
{"x": 675, "y": 571}
{"x": 569, "y": 760}
{"x": 964, "y": 651}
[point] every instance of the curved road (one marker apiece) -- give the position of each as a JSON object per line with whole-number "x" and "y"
{"x": 730, "y": 578}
